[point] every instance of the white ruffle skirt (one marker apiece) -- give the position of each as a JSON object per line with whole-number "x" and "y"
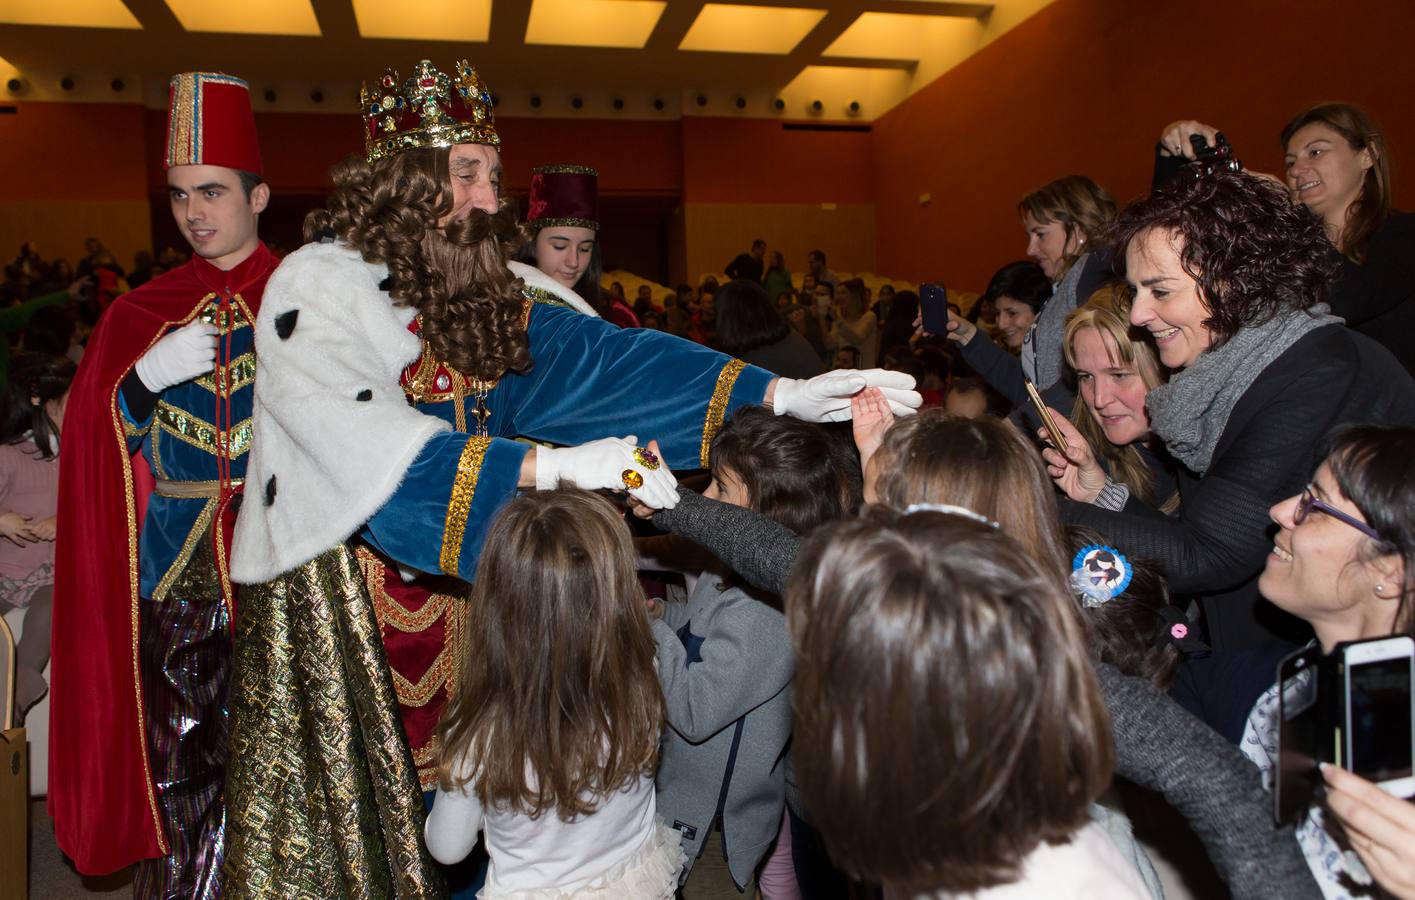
{"x": 650, "y": 874}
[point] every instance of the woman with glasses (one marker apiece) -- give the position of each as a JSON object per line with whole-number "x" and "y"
{"x": 1343, "y": 560}
{"x": 1228, "y": 277}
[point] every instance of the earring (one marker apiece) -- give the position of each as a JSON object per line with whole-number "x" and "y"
{"x": 1380, "y": 590}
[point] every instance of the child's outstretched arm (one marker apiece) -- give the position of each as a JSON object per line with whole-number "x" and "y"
{"x": 452, "y": 825}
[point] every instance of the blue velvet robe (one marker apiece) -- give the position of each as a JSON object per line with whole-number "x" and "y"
{"x": 589, "y": 380}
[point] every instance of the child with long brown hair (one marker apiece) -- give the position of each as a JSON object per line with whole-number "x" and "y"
{"x": 551, "y": 742}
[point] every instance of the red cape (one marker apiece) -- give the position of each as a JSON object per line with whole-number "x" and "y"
{"x": 100, "y": 789}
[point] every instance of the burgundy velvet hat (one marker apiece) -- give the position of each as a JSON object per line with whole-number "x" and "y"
{"x": 563, "y": 196}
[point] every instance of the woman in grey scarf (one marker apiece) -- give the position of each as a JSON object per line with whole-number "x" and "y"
{"x": 1228, "y": 276}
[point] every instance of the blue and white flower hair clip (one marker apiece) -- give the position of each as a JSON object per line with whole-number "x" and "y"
{"x": 1100, "y": 573}
{"x": 951, "y": 510}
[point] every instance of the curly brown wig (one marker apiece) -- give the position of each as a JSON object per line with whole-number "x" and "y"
{"x": 456, "y": 277}
{"x": 1253, "y": 252}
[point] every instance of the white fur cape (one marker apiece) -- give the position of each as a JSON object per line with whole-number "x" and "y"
{"x": 324, "y": 460}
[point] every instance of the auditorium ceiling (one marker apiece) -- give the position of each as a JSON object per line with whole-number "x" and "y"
{"x": 832, "y": 60}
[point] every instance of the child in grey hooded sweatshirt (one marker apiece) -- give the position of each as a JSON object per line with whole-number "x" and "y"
{"x": 724, "y": 656}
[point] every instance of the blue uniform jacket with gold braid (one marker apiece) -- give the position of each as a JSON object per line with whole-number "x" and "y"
{"x": 182, "y": 439}
{"x": 340, "y": 450}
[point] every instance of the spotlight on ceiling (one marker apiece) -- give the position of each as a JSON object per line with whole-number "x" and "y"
{"x": 317, "y": 95}
{"x": 270, "y": 95}
{"x": 778, "y": 104}
{"x": 617, "y": 103}
{"x": 15, "y": 85}
{"x": 741, "y": 102}
{"x": 817, "y": 106}
{"x": 576, "y": 103}
{"x": 535, "y": 101}
{"x": 66, "y": 83}
{"x": 117, "y": 85}
{"x": 854, "y": 107}
{"x": 702, "y": 100}
{"x": 658, "y": 104}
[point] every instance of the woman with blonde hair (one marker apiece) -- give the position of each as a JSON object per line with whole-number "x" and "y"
{"x": 1113, "y": 452}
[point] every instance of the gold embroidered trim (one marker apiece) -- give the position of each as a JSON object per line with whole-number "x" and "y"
{"x": 717, "y": 407}
{"x": 198, "y": 532}
{"x": 538, "y": 224}
{"x": 157, "y": 468}
{"x": 464, "y": 489}
{"x": 541, "y": 295}
{"x": 202, "y": 434}
{"x": 231, "y": 378}
{"x": 236, "y": 318}
{"x": 130, "y": 501}
{"x": 421, "y": 693}
{"x": 181, "y": 132}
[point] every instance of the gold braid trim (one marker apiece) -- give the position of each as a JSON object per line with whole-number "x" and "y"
{"x": 198, "y": 533}
{"x": 464, "y": 489}
{"x": 717, "y": 407}
{"x": 130, "y": 498}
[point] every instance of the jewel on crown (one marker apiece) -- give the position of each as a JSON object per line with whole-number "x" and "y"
{"x": 428, "y": 109}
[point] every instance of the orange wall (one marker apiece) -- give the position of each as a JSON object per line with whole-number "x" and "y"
{"x": 72, "y": 151}
{"x": 757, "y": 161}
{"x": 1085, "y": 87}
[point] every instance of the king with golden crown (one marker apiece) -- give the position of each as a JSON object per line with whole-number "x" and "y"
{"x": 402, "y": 355}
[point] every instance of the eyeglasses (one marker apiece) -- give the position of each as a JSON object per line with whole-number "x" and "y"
{"x": 1308, "y": 502}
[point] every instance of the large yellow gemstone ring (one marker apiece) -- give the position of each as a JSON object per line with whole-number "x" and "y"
{"x": 632, "y": 479}
{"x": 645, "y": 458}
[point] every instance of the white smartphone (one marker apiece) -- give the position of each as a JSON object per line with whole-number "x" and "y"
{"x": 1378, "y": 740}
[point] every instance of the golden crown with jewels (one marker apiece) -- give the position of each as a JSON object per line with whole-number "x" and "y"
{"x": 428, "y": 109}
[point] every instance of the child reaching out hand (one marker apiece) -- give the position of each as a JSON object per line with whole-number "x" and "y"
{"x": 551, "y": 742}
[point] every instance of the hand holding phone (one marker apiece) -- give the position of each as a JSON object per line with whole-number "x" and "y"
{"x": 1058, "y": 439}
{"x": 933, "y": 307}
{"x": 1378, "y": 742}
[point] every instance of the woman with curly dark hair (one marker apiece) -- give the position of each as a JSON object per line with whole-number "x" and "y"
{"x": 1229, "y": 276}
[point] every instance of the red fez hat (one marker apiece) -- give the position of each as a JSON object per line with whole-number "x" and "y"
{"x": 210, "y": 123}
{"x": 564, "y": 196}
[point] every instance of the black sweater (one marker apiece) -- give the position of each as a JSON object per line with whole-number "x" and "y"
{"x": 1377, "y": 298}
{"x": 1215, "y": 547}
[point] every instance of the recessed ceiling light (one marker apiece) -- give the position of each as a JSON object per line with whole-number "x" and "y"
{"x": 730, "y": 28}
{"x": 288, "y": 17}
{"x": 72, "y": 13}
{"x": 593, "y": 23}
{"x": 425, "y": 20}
{"x": 878, "y": 35}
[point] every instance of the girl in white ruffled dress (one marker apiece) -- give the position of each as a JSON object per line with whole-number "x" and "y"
{"x": 551, "y": 742}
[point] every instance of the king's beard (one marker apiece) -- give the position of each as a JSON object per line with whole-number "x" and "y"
{"x": 471, "y": 305}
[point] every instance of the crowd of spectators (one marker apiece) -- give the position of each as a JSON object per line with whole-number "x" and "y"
{"x": 915, "y": 655}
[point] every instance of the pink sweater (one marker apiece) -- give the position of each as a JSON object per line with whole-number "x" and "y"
{"x": 29, "y": 485}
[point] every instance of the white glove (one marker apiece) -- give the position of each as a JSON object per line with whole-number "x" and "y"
{"x": 600, "y": 465}
{"x": 826, "y": 398}
{"x": 184, "y": 354}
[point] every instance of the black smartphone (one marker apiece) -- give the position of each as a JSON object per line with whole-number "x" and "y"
{"x": 933, "y": 303}
{"x": 1301, "y": 735}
